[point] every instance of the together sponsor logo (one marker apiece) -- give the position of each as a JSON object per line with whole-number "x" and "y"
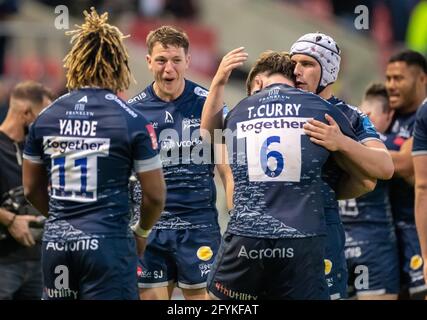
{"x": 57, "y": 144}
{"x": 268, "y": 253}
{"x": 258, "y": 125}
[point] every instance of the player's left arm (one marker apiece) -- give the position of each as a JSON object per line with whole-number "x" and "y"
{"x": 35, "y": 181}
{"x": 402, "y": 160}
{"x": 364, "y": 157}
{"x": 420, "y": 169}
{"x": 225, "y": 174}
{"x": 353, "y": 183}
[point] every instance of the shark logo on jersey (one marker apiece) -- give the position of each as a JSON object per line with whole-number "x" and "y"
{"x": 167, "y": 144}
{"x": 190, "y": 123}
{"x": 168, "y": 117}
{"x": 201, "y": 92}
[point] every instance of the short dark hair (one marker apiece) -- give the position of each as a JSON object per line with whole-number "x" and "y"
{"x": 378, "y": 91}
{"x": 32, "y": 91}
{"x": 271, "y": 62}
{"x": 412, "y": 58}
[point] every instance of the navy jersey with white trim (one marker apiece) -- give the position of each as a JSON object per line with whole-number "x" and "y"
{"x": 420, "y": 131}
{"x": 187, "y": 161}
{"x": 89, "y": 141}
{"x": 373, "y": 206}
{"x": 364, "y": 131}
{"x": 402, "y": 194}
{"x": 276, "y": 168}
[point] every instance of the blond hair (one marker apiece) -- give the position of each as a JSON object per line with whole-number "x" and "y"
{"x": 98, "y": 56}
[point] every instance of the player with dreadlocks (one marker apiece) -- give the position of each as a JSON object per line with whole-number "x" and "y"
{"x": 84, "y": 147}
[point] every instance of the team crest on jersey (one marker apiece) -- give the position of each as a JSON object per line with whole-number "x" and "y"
{"x": 153, "y": 136}
{"x": 201, "y": 92}
{"x": 168, "y": 117}
{"x": 416, "y": 262}
{"x": 204, "y": 253}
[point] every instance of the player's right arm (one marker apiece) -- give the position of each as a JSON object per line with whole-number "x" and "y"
{"x": 420, "y": 166}
{"x": 212, "y": 115}
{"x": 419, "y": 153}
{"x": 402, "y": 161}
{"x": 149, "y": 171}
{"x": 353, "y": 184}
{"x": 152, "y": 204}
{"x": 35, "y": 178}
{"x": 364, "y": 157}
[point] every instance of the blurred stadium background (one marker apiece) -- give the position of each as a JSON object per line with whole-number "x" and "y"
{"x": 31, "y": 47}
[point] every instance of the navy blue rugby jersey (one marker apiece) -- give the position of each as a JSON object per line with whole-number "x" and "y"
{"x": 90, "y": 141}
{"x": 420, "y": 131}
{"x": 188, "y": 164}
{"x": 364, "y": 131}
{"x": 373, "y": 206}
{"x": 276, "y": 168}
{"x": 402, "y": 194}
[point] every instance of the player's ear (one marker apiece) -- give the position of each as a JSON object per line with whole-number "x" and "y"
{"x": 148, "y": 60}
{"x": 258, "y": 83}
{"x": 187, "y": 60}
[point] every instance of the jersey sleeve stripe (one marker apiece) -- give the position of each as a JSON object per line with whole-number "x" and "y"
{"x": 369, "y": 139}
{"x": 419, "y": 153}
{"x": 34, "y": 159}
{"x": 148, "y": 164}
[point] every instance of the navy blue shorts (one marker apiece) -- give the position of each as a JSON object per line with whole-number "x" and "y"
{"x": 335, "y": 263}
{"x": 178, "y": 256}
{"x": 411, "y": 262}
{"x": 254, "y": 268}
{"x": 90, "y": 269}
{"x": 372, "y": 259}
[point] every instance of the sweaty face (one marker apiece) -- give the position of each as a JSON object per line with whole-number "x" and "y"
{"x": 401, "y": 84}
{"x": 307, "y": 71}
{"x": 168, "y": 66}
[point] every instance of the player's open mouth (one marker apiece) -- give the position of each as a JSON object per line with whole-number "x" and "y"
{"x": 394, "y": 96}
